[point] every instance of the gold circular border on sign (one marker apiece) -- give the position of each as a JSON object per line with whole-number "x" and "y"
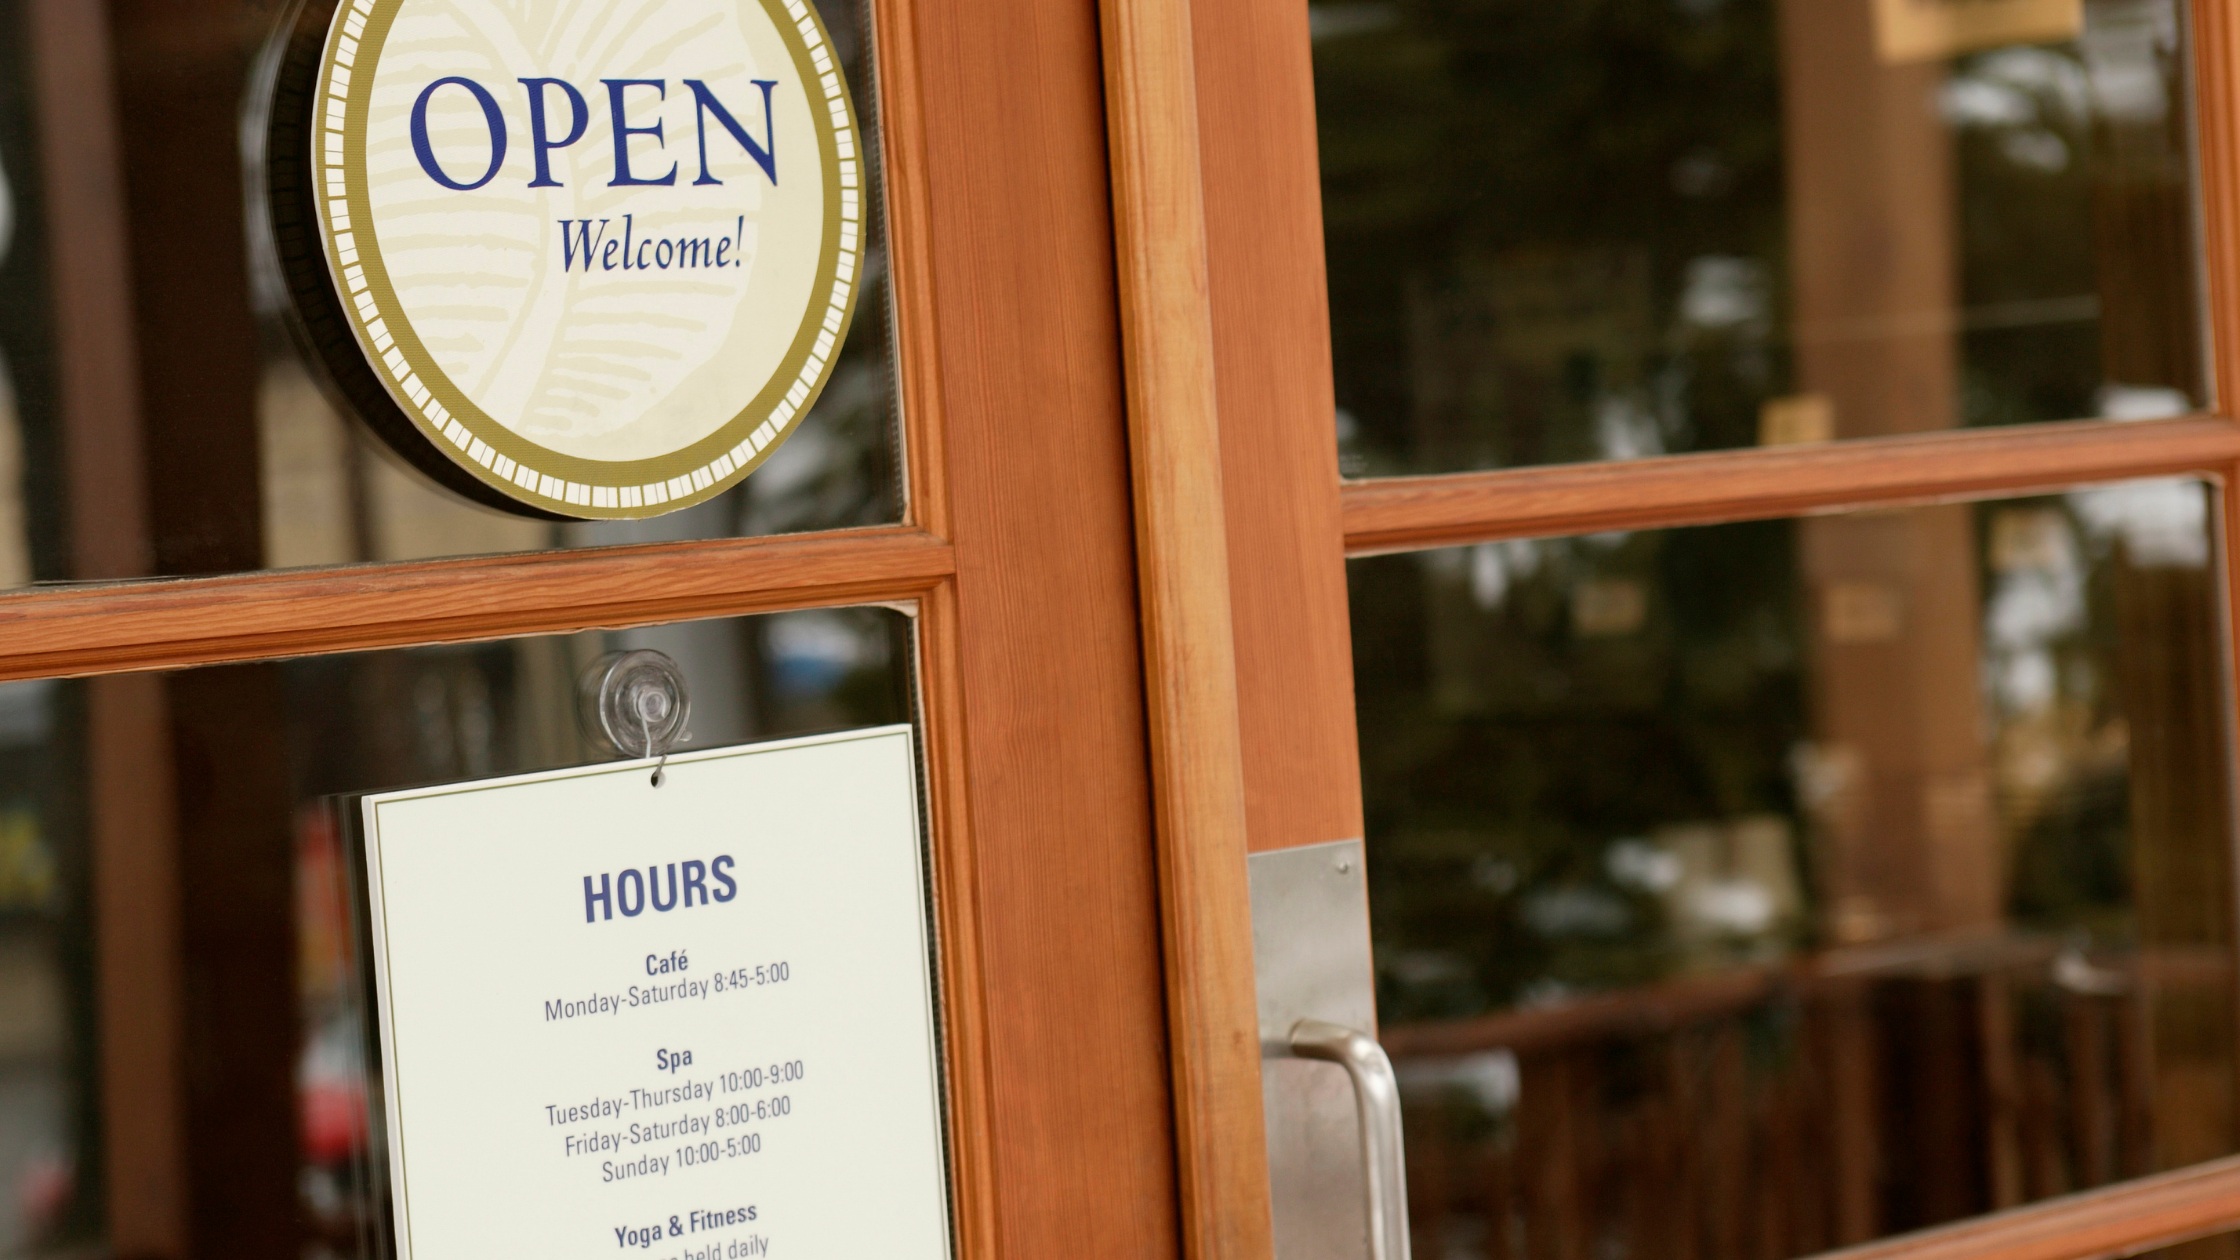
{"x": 516, "y": 466}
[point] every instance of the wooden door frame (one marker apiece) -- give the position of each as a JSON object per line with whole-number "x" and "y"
{"x": 1015, "y": 556}
{"x": 1025, "y": 258}
{"x": 1291, "y": 521}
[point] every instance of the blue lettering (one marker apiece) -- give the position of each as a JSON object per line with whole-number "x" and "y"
{"x": 582, "y": 239}
{"x": 662, "y": 887}
{"x": 496, "y": 121}
{"x": 765, "y": 155}
{"x": 579, "y": 112}
{"x": 623, "y": 131}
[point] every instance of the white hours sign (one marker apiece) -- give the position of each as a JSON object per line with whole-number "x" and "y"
{"x": 690, "y": 1022}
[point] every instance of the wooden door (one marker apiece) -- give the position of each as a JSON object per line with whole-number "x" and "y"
{"x": 1292, "y": 523}
{"x": 1014, "y": 557}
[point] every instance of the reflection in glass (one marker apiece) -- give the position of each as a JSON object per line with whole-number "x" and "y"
{"x": 1621, "y": 228}
{"x": 1754, "y": 889}
{"x": 245, "y": 463}
{"x": 45, "y": 1034}
{"x": 230, "y": 773}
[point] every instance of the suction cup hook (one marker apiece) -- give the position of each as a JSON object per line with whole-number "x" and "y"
{"x": 635, "y": 703}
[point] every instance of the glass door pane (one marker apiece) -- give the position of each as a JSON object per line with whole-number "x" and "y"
{"x": 238, "y": 766}
{"x": 1754, "y": 889}
{"x": 1622, "y": 228}
{"x": 251, "y": 460}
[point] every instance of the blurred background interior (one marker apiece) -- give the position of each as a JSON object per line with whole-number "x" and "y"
{"x": 1746, "y": 890}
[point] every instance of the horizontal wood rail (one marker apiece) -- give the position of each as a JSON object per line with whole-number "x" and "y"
{"x": 200, "y": 621}
{"x": 2119, "y": 1220}
{"x": 1407, "y": 513}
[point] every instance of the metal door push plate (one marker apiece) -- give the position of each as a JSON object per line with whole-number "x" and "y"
{"x": 1310, "y": 938}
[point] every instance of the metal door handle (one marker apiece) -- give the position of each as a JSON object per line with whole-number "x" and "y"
{"x": 1376, "y": 1095}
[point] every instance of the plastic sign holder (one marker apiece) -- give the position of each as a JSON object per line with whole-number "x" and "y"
{"x": 693, "y": 1021}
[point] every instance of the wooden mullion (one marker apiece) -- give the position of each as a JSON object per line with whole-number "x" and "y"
{"x": 905, "y": 178}
{"x": 1406, "y": 513}
{"x": 970, "y": 1072}
{"x": 2216, "y": 132}
{"x": 161, "y": 625}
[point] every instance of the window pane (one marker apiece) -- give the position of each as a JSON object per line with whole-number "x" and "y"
{"x": 249, "y": 463}
{"x": 223, "y": 777}
{"x": 1754, "y": 889}
{"x": 1619, "y": 228}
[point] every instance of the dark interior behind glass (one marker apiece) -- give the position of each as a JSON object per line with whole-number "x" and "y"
{"x": 214, "y": 790}
{"x": 1619, "y": 228}
{"x": 1756, "y": 889}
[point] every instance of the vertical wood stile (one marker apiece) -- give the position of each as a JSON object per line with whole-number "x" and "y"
{"x": 1271, "y": 316}
{"x": 901, "y": 114}
{"x": 2216, "y": 123}
{"x": 1189, "y": 649}
{"x": 964, "y": 1011}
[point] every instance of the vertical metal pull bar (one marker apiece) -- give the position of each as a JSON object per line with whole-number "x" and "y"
{"x": 1376, "y": 1095}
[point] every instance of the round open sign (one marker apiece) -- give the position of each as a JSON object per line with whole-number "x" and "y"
{"x": 592, "y": 261}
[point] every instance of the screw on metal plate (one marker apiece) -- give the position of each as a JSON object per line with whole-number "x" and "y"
{"x": 635, "y": 703}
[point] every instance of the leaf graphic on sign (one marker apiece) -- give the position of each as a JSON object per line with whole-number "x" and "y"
{"x": 565, "y": 347}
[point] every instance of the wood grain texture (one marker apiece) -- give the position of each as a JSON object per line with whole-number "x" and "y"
{"x": 1079, "y": 1136}
{"x": 1189, "y": 639}
{"x": 906, "y": 182}
{"x": 1412, "y": 512}
{"x": 1279, "y": 448}
{"x": 158, "y": 625}
{"x": 957, "y": 918}
{"x": 2216, "y": 129}
{"x": 2121, "y": 1220}
{"x": 968, "y": 1065}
